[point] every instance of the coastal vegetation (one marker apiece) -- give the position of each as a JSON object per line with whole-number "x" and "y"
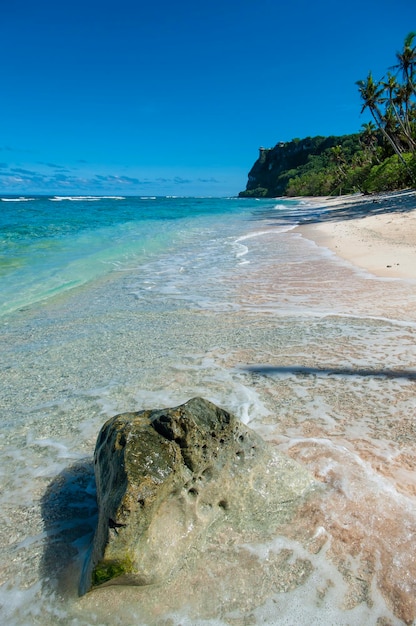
{"x": 381, "y": 157}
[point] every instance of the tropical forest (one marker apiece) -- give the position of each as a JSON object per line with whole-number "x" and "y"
{"x": 381, "y": 157}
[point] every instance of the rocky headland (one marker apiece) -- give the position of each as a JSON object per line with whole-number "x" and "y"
{"x": 274, "y": 168}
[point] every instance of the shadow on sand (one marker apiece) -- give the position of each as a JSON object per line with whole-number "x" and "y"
{"x": 364, "y": 206}
{"x": 69, "y": 512}
{"x": 369, "y": 205}
{"x": 298, "y": 370}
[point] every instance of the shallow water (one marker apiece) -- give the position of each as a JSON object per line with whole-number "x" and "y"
{"x": 234, "y": 305}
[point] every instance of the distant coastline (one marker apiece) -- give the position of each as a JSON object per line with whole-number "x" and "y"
{"x": 328, "y": 166}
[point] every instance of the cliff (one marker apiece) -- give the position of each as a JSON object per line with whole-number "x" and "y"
{"x": 275, "y": 167}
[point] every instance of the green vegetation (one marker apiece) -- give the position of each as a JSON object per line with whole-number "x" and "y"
{"x": 107, "y": 570}
{"x": 382, "y": 157}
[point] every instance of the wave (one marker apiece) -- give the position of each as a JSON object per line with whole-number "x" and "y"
{"x": 20, "y": 199}
{"x": 280, "y": 207}
{"x": 76, "y": 198}
{"x": 259, "y": 233}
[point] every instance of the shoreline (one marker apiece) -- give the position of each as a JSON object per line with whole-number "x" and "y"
{"x": 382, "y": 243}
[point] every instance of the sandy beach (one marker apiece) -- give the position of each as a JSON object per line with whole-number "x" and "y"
{"x": 382, "y": 243}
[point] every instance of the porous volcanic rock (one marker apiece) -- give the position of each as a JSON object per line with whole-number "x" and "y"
{"x": 169, "y": 479}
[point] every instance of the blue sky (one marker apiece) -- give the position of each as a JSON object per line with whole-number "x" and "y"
{"x": 157, "y": 98}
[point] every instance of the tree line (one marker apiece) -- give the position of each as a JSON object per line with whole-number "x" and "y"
{"x": 391, "y": 102}
{"x": 381, "y": 157}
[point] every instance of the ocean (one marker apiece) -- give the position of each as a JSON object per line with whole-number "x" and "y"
{"x": 115, "y": 304}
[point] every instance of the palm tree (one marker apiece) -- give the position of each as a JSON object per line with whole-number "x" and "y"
{"x": 407, "y": 66}
{"x": 338, "y": 158}
{"x": 372, "y": 96}
{"x": 404, "y": 101}
{"x": 399, "y": 95}
{"x": 368, "y": 140}
{"x": 368, "y": 133}
{"x": 407, "y": 60}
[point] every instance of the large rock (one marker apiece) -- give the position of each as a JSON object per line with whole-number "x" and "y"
{"x": 168, "y": 480}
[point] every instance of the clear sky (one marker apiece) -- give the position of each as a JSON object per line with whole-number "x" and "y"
{"x": 175, "y": 97}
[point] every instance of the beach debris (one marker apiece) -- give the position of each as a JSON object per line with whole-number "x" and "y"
{"x": 169, "y": 480}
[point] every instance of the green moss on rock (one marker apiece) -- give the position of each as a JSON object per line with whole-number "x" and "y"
{"x": 109, "y": 570}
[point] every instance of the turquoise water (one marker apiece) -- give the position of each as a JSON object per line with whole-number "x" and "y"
{"x": 52, "y": 244}
{"x": 49, "y": 245}
{"x": 119, "y": 304}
